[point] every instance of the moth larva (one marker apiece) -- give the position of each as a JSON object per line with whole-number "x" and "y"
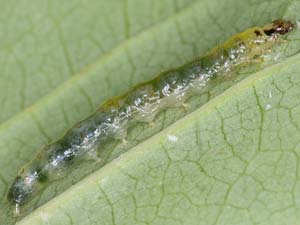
{"x": 142, "y": 103}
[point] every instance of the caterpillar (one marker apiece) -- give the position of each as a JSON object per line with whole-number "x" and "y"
{"x": 142, "y": 103}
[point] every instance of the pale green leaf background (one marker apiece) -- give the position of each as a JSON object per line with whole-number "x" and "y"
{"x": 236, "y": 160}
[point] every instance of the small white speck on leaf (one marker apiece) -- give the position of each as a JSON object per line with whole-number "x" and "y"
{"x": 270, "y": 94}
{"x": 172, "y": 138}
{"x": 268, "y": 106}
{"x": 298, "y": 24}
{"x": 44, "y": 216}
{"x": 277, "y": 57}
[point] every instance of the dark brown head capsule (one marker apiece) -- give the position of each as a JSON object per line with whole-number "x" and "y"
{"x": 279, "y": 27}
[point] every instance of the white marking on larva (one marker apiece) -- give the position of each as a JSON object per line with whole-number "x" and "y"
{"x": 17, "y": 210}
{"x": 172, "y": 138}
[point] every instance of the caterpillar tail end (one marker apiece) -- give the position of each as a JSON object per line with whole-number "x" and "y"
{"x": 19, "y": 192}
{"x": 17, "y": 211}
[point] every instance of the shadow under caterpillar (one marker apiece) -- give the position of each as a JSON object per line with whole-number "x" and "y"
{"x": 142, "y": 103}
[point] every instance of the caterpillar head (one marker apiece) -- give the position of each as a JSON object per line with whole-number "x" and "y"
{"x": 278, "y": 27}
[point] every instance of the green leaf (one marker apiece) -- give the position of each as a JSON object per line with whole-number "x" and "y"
{"x": 234, "y": 162}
